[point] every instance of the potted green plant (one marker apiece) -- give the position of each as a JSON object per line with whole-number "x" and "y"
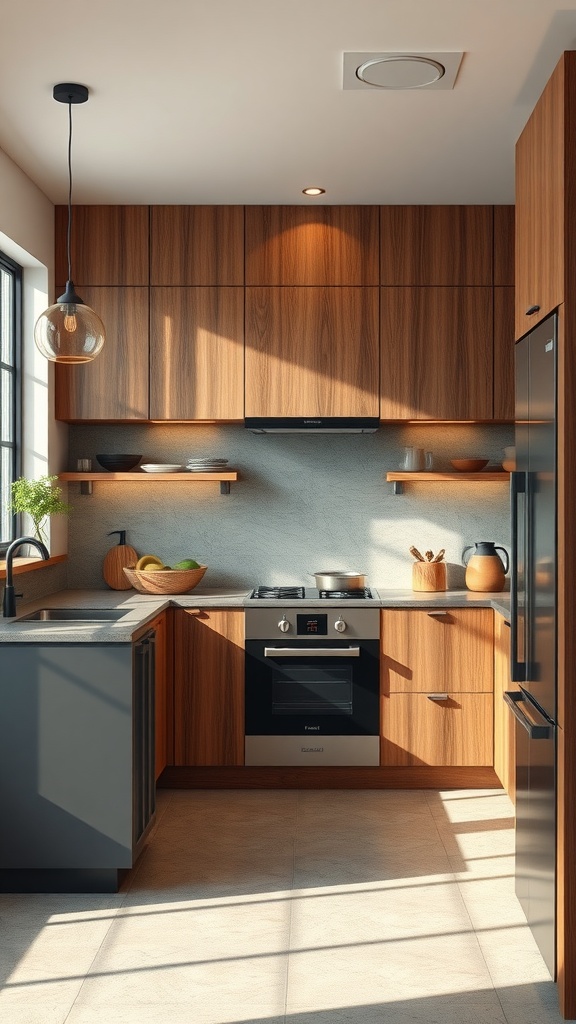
{"x": 38, "y": 499}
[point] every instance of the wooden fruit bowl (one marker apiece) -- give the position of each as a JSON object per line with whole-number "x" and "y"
{"x": 165, "y": 581}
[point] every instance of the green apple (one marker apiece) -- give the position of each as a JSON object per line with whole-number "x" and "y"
{"x": 186, "y": 563}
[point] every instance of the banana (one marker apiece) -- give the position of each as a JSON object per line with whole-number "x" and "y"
{"x": 148, "y": 560}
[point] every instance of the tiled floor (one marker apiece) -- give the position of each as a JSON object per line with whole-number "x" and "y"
{"x": 298, "y": 907}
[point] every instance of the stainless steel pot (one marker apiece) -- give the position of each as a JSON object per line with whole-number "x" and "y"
{"x": 336, "y": 579}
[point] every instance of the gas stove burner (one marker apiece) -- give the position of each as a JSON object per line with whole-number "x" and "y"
{"x": 361, "y": 594}
{"x": 279, "y": 593}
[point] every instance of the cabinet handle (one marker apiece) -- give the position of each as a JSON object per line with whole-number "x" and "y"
{"x": 437, "y": 696}
{"x": 531, "y": 310}
{"x": 438, "y": 615}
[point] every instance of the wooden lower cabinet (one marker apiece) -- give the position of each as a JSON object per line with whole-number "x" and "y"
{"x": 421, "y": 730}
{"x": 504, "y": 721}
{"x": 436, "y": 687}
{"x": 208, "y": 686}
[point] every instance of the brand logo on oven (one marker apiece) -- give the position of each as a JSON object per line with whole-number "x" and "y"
{"x": 311, "y": 728}
{"x": 313, "y": 421}
{"x": 311, "y": 750}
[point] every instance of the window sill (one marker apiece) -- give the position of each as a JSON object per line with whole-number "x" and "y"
{"x": 28, "y": 564}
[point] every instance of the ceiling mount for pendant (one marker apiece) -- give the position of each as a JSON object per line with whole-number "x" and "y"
{"x": 70, "y": 92}
{"x": 400, "y": 71}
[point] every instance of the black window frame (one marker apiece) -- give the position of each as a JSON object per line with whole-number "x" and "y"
{"x": 15, "y": 367}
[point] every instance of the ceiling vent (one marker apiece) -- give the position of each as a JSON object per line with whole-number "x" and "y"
{"x": 401, "y": 70}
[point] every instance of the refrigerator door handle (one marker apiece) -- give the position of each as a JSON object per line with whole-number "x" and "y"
{"x": 536, "y": 730}
{"x": 517, "y": 667}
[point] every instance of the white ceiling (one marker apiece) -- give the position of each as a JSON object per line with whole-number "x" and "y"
{"x": 241, "y": 101}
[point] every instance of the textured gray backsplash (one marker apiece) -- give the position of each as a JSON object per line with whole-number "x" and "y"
{"x": 303, "y": 503}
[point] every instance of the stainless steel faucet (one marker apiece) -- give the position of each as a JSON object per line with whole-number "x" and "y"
{"x": 9, "y": 600}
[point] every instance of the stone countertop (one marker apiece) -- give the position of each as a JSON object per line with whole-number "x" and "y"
{"x": 141, "y": 608}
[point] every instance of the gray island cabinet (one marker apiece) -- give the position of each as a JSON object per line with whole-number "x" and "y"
{"x": 77, "y": 791}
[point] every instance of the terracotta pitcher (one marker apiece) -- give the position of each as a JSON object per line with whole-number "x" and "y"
{"x": 485, "y": 570}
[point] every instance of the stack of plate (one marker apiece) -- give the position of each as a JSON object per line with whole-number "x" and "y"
{"x": 206, "y": 465}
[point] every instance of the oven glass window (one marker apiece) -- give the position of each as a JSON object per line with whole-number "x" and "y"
{"x": 312, "y": 691}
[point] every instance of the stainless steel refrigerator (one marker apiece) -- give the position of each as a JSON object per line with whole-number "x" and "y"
{"x": 533, "y": 631}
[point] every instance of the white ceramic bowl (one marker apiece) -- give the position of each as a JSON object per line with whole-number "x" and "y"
{"x": 160, "y": 467}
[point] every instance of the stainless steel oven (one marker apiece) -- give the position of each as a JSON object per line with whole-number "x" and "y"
{"x": 312, "y": 686}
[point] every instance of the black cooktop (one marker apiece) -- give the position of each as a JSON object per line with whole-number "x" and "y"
{"x": 308, "y": 593}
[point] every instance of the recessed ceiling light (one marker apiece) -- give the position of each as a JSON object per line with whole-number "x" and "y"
{"x": 390, "y": 71}
{"x": 313, "y": 191}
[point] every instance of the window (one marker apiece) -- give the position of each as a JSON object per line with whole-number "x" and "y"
{"x": 10, "y": 390}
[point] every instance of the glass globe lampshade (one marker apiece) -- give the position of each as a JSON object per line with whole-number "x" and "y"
{"x": 69, "y": 331}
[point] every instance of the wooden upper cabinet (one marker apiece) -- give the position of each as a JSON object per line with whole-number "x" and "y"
{"x": 540, "y": 196}
{"x": 197, "y": 245}
{"x": 197, "y": 354}
{"x": 109, "y": 245}
{"x": 300, "y": 245}
{"x": 504, "y": 382}
{"x": 504, "y": 245}
{"x": 312, "y": 352}
{"x": 208, "y": 687}
{"x": 115, "y": 385}
{"x": 436, "y": 353}
{"x": 436, "y": 650}
{"x": 436, "y": 245}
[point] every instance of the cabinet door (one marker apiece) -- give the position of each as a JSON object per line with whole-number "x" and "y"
{"x": 109, "y": 245}
{"x": 540, "y": 206}
{"x": 419, "y": 730}
{"x": 298, "y": 245}
{"x": 436, "y": 353}
{"x": 504, "y": 722}
{"x": 504, "y": 385}
{"x": 209, "y": 687}
{"x": 436, "y": 650}
{"x": 504, "y": 246}
{"x": 196, "y": 354}
{"x": 115, "y": 385}
{"x": 312, "y": 352}
{"x": 436, "y": 245}
{"x": 197, "y": 245}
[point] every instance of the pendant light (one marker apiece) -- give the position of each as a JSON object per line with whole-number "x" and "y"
{"x": 69, "y": 331}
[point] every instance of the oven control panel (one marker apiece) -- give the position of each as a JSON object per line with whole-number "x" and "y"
{"x": 338, "y": 623}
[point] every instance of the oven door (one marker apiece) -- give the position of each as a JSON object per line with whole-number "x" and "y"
{"x": 312, "y": 702}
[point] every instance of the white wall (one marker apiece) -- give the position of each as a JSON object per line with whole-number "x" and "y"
{"x": 27, "y": 235}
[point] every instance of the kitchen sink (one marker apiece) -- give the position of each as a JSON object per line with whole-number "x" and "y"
{"x": 73, "y": 615}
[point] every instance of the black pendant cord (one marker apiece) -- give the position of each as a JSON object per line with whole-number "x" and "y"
{"x": 69, "y": 233}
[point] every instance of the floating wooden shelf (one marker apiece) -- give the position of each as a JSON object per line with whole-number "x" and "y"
{"x": 224, "y": 478}
{"x": 30, "y": 564}
{"x": 400, "y": 478}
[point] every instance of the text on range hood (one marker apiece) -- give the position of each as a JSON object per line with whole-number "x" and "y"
{"x": 312, "y": 424}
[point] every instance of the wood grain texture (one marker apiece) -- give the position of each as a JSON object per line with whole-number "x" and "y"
{"x": 330, "y": 778}
{"x": 504, "y": 385}
{"x": 436, "y": 245}
{"x": 209, "y": 687}
{"x": 504, "y": 722}
{"x": 540, "y": 230}
{"x": 419, "y": 731}
{"x": 115, "y": 385}
{"x": 436, "y": 353}
{"x": 312, "y": 352}
{"x": 197, "y": 354}
{"x": 109, "y": 245}
{"x": 197, "y": 245}
{"x": 22, "y": 565}
{"x": 299, "y": 245}
{"x": 160, "y": 625}
{"x": 504, "y": 246}
{"x": 447, "y": 651}
{"x": 114, "y": 561}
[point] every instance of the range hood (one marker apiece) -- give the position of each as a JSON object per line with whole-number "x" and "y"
{"x": 312, "y": 424}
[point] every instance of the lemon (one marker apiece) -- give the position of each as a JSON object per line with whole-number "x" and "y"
{"x": 154, "y": 567}
{"x": 147, "y": 560}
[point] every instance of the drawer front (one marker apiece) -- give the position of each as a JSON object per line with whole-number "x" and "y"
{"x": 425, "y": 650}
{"x": 420, "y": 729}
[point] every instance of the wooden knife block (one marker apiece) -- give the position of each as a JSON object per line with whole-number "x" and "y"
{"x": 429, "y": 576}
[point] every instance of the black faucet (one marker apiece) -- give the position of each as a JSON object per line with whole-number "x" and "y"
{"x": 9, "y": 601}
